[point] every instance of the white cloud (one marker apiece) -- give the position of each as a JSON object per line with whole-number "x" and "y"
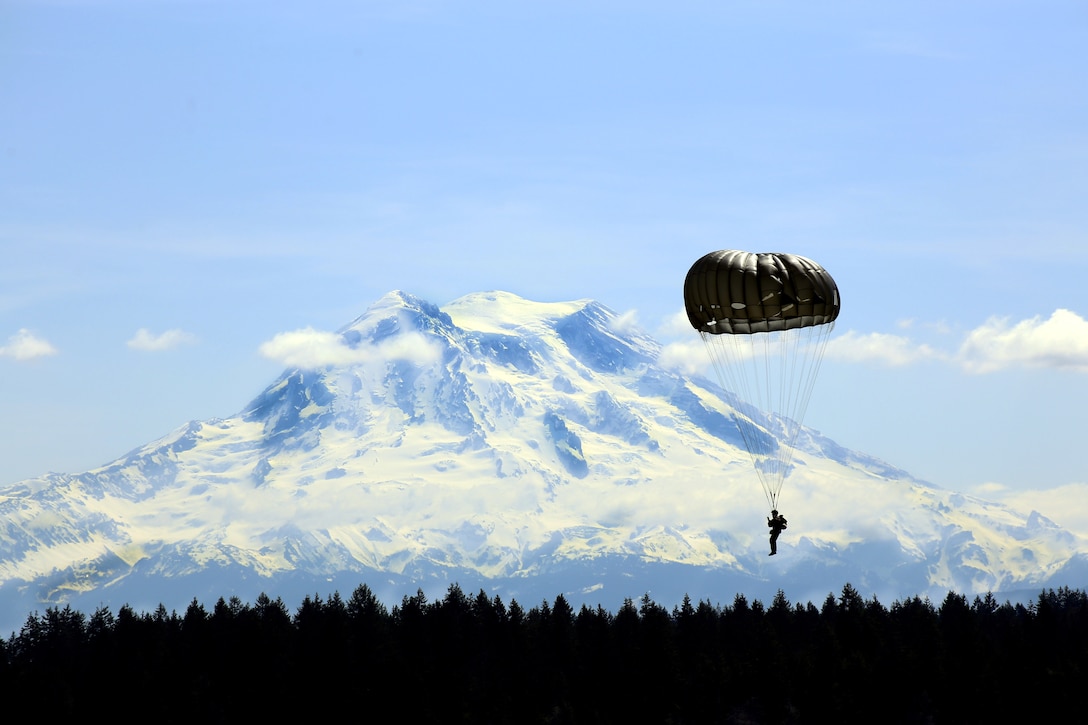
{"x": 676, "y": 327}
{"x": 626, "y": 322}
{"x": 25, "y": 345}
{"x": 879, "y": 347}
{"x": 1058, "y": 342}
{"x": 309, "y": 348}
{"x": 1065, "y": 505}
{"x": 145, "y": 340}
{"x": 689, "y": 358}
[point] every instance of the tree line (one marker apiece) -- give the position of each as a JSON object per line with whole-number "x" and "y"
{"x": 465, "y": 658}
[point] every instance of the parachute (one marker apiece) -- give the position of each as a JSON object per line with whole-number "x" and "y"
{"x": 766, "y": 319}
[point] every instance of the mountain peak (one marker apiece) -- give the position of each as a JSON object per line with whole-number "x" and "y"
{"x": 505, "y": 312}
{"x": 394, "y": 313}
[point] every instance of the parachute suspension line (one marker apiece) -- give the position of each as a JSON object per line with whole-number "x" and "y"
{"x": 805, "y": 352}
{"x": 773, "y": 376}
{"x": 816, "y": 345}
{"x": 789, "y": 351}
{"x": 767, "y": 400}
{"x": 740, "y": 362}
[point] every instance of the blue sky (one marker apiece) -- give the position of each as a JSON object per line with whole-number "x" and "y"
{"x": 183, "y": 180}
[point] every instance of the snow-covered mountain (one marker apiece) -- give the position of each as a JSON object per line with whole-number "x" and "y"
{"x": 526, "y": 448}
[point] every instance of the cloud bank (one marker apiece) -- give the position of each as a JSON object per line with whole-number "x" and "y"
{"x": 25, "y": 345}
{"x": 626, "y": 322}
{"x": 314, "y": 349}
{"x": 1059, "y": 342}
{"x": 881, "y": 348}
{"x": 145, "y": 340}
{"x": 1065, "y": 505}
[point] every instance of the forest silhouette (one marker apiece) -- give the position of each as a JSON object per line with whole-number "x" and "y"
{"x": 476, "y": 659}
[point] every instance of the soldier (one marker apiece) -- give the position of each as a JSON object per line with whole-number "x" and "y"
{"x": 778, "y": 525}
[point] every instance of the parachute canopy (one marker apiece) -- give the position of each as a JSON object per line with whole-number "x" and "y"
{"x": 732, "y": 292}
{"x": 765, "y": 319}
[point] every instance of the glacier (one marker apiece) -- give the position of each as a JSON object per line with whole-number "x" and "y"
{"x": 520, "y": 447}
